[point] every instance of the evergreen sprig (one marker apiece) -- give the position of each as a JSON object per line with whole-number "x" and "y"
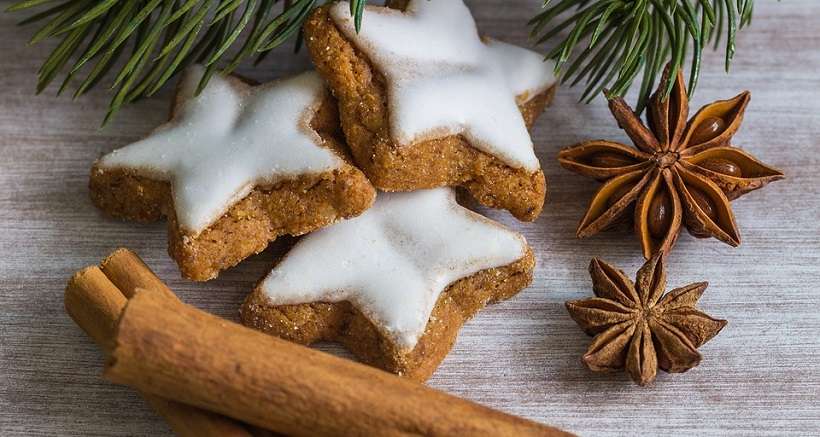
{"x": 164, "y": 37}
{"x": 611, "y": 41}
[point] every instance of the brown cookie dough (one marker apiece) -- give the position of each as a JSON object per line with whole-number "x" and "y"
{"x": 292, "y": 206}
{"x": 342, "y": 322}
{"x": 447, "y": 161}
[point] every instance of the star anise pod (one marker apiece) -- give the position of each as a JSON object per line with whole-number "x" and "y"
{"x": 678, "y": 173}
{"x": 637, "y": 329}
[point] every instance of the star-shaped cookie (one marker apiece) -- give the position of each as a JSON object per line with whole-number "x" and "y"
{"x": 394, "y": 284}
{"x": 235, "y": 167}
{"x": 427, "y": 102}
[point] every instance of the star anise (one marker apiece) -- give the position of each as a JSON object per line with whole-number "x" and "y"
{"x": 678, "y": 173}
{"x": 637, "y": 329}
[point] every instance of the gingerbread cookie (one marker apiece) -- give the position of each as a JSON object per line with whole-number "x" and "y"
{"x": 236, "y": 167}
{"x": 395, "y": 284}
{"x": 426, "y": 102}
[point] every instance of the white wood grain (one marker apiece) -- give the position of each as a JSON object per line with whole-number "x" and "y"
{"x": 761, "y": 375}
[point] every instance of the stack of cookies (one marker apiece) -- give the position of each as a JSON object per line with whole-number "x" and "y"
{"x": 358, "y": 157}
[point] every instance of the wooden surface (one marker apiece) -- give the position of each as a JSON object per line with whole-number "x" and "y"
{"x": 761, "y": 375}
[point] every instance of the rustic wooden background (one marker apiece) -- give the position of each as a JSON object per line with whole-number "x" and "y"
{"x": 761, "y": 375}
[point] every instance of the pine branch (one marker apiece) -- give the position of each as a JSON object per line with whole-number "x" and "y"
{"x": 165, "y": 36}
{"x": 611, "y": 41}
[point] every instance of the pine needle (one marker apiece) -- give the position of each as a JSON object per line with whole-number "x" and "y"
{"x": 166, "y": 36}
{"x": 645, "y": 35}
{"x": 604, "y": 43}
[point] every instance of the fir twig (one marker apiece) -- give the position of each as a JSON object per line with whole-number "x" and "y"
{"x": 165, "y": 35}
{"x": 611, "y": 41}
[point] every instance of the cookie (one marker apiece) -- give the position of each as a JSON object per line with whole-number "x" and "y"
{"x": 395, "y": 284}
{"x": 235, "y": 167}
{"x": 426, "y": 102}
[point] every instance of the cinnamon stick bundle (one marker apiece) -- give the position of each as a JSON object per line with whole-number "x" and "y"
{"x": 178, "y": 352}
{"x": 95, "y": 297}
{"x": 187, "y": 363}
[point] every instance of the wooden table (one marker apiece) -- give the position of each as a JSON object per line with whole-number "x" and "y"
{"x": 761, "y": 375}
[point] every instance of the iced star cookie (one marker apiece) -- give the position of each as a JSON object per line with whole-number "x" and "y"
{"x": 235, "y": 167}
{"x": 395, "y": 284}
{"x": 426, "y": 102}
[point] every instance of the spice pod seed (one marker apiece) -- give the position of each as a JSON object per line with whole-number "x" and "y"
{"x": 709, "y": 128}
{"x": 707, "y": 206}
{"x": 609, "y": 160}
{"x": 704, "y": 203}
{"x": 660, "y": 215}
{"x": 722, "y": 166}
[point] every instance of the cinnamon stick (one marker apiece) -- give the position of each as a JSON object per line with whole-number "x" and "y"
{"x": 128, "y": 272}
{"x": 95, "y": 305}
{"x": 179, "y": 352}
{"x": 95, "y": 297}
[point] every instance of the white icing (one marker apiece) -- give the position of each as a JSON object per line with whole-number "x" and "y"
{"x": 393, "y": 261}
{"x": 229, "y": 139}
{"x": 443, "y": 80}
